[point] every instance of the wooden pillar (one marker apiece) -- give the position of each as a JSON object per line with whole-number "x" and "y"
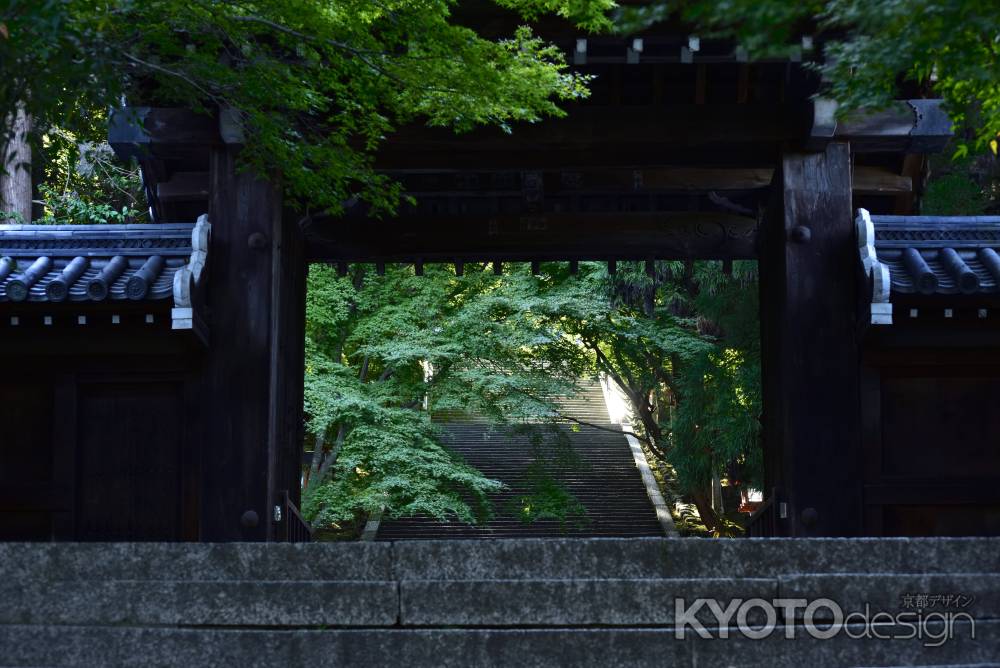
{"x": 287, "y": 366}
{"x": 809, "y": 332}
{"x": 253, "y": 364}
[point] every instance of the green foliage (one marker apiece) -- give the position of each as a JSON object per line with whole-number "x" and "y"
{"x": 589, "y": 14}
{"x": 59, "y": 63}
{"x": 14, "y": 217}
{"x": 869, "y": 47}
{"x": 68, "y": 208}
{"x": 953, "y": 195}
{"x": 683, "y": 345}
{"x": 393, "y": 460}
{"x": 383, "y": 354}
{"x": 716, "y": 424}
{"x": 85, "y": 183}
{"x": 545, "y": 497}
{"x": 316, "y": 85}
{"x": 386, "y": 352}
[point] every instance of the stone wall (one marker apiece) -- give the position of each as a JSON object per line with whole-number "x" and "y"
{"x": 601, "y": 602}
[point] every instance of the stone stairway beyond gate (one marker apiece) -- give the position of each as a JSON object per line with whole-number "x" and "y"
{"x": 594, "y": 465}
{"x": 530, "y": 602}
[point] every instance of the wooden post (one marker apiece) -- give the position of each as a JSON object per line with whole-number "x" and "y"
{"x": 253, "y": 371}
{"x": 810, "y": 349}
{"x": 287, "y": 367}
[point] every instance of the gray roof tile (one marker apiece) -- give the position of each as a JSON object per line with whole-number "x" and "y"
{"x": 24, "y": 244}
{"x": 931, "y": 237}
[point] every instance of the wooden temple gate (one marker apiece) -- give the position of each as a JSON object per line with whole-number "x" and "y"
{"x": 679, "y": 154}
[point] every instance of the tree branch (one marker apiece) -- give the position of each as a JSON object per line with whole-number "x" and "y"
{"x": 180, "y": 75}
{"x": 318, "y": 446}
{"x": 626, "y": 432}
{"x": 329, "y": 460}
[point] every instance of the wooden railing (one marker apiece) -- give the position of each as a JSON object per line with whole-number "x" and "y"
{"x": 292, "y": 527}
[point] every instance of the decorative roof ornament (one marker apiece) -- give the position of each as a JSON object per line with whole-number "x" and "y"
{"x": 879, "y": 279}
{"x": 927, "y": 255}
{"x": 190, "y": 277}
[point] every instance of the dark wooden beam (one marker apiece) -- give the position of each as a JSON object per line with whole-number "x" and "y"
{"x": 880, "y": 181}
{"x": 915, "y": 169}
{"x": 135, "y": 131}
{"x": 184, "y": 187}
{"x": 674, "y": 133}
{"x": 868, "y": 180}
{"x": 464, "y": 183}
{"x": 593, "y": 135}
{"x": 583, "y": 157}
{"x": 622, "y": 236}
{"x": 695, "y": 178}
{"x": 810, "y": 350}
{"x": 905, "y": 126}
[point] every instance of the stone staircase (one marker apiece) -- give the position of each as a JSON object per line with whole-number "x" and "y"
{"x": 594, "y": 465}
{"x": 524, "y": 602}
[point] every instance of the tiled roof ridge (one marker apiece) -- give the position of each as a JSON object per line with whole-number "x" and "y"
{"x": 95, "y": 240}
{"x": 90, "y": 263}
{"x": 927, "y": 255}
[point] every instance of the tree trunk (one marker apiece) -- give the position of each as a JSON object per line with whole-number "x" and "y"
{"x": 318, "y": 446}
{"x": 704, "y": 505}
{"x": 15, "y": 179}
{"x": 319, "y": 476}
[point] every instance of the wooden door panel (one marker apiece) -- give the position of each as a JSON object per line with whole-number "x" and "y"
{"x": 26, "y": 487}
{"x": 932, "y": 447}
{"x": 129, "y": 454}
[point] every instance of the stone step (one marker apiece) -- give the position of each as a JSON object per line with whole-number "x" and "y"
{"x": 977, "y": 594}
{"x": 604, "y": 602}
{"x": 627, "y": 602}
{"x": 952, "y": 665}
{"x": 190, "y": 648}
{"x": 297, "y": 604}
{"x": 234, "y": 603}
{"x": 195, "y": 561}
{"x": 453, "y": 603}
{"x": 692, "y": 558}
{"x": 546, "y": 558}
